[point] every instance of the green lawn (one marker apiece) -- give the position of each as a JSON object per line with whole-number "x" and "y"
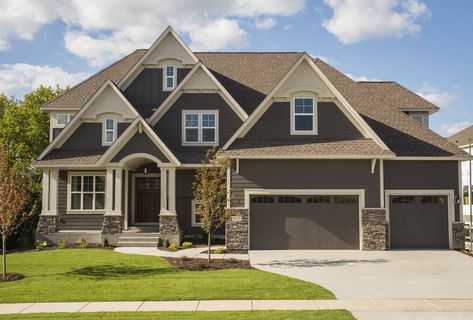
{"x": 196, "y": 315}
{"x": 104, "y": 275}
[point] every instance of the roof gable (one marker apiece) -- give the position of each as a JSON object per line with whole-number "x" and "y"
{"x": 199, "y": 79}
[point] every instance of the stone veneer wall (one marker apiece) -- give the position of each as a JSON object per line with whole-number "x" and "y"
{"x": 112, "y": 224}
{"x": 458, "y": 235}
{"x": 236, "y": 230}
{"x": 48, "y": 224}
{"x": 373, "y": 223}
{"x": 169, "y": 228}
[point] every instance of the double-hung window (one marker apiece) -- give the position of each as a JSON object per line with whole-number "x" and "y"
{"x": 63, "y": 119}
{"x": 169, "y": 78}
{"x": 86, "y": 192}
{"x": 109, "y": 131}
{"x": 303, "y": 116}
{"x": 200, "y": 127}
{"x": 195, "y": 214}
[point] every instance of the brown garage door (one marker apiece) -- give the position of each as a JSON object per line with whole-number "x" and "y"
{"x": 304, "y": 222}
{"x": 418, "y": 222}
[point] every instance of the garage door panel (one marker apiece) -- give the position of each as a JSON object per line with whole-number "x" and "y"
{"x": 304, "y": 226}
{"x": 417, "y": 223}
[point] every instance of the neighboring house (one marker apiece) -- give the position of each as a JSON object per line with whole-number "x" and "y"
{"x": 319, "y": 161}
{"x": 464, "y": 139}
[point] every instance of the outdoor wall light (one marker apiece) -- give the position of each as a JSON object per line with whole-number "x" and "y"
{"x": 457, "y": 200}
{"x": 145, "y": 172}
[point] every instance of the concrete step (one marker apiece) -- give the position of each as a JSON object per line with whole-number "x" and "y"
{"x": 140, "y": 234}
{"x": 138, "y": 239}
{"x": 137, "y": 244}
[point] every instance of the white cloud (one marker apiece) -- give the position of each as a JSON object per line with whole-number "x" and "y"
{"x": 100, "y": 31}
{"x": 323, "y": 58}
{"x": 17, "y": 79}
{"x": 357, "y": 20}
{"x": 265, "y": 23}
{"x": 360, "y": 78}
{"x": 441, "y": 99}
{"x": 453, "y": 128}
{"x": 287, "y": 27}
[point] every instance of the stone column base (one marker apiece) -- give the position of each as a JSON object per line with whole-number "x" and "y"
{"x": 373, "y": 224}
{"x": 236, "y": 230}
{"x": 169, "y": 228}
{"x": 112, "y": 224}
{"x": 458, "y": 235}
{"x": 48, "y": 224}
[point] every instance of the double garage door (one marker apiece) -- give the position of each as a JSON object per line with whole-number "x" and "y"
{"x": 332, "y": 222}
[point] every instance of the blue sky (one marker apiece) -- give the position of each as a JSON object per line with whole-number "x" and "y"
{"x": 425, "y": 45}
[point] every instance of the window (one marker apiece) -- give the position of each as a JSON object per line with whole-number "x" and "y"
{"x": 303, "y": 116}
{"x": 287, "y": 199}
{"x": 169, "y": 77}
{"x": 345, "y": 199}
{"x": 63, "y": 119}
{"x": 109, "y": 131}
{"x": 195, "y": 214}
{"x": 200, "y": 127}
{"x": 433, "y": 200}
{"x": 403, "y": 200}
{"x": 86, "y": 192}
{"x": 262, "y": 199}
{"x": 319, "y": 199}
{"x": 418, "y": 117}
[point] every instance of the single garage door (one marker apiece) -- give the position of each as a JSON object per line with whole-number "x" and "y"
{"x": 304, "y": 222}
{"x": 418, "y": 222}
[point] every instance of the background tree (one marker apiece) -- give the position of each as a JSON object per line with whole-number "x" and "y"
{"x": 210, "y": 193}
{"x": 24, "y": 133}
{"x": 14, "y": 198}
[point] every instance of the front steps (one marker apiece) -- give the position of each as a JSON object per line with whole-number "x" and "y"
{"x": 139, "y": 237}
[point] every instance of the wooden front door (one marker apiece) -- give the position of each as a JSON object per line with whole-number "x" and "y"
{"x": 147, "y": 199}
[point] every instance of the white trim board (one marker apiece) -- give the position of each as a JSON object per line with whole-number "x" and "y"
{"x": 450, "y": 193}
{"x": 307, "y": 192}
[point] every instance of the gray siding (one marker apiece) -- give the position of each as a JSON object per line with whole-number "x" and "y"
{"x": 74, "y": 221}
{"x": 306, "y": 174}
{"x": 169, "y": 127}
{"x": 140, "y": 143}
{"x": 146, "y": 91}
{"x": 332, "y": 124}
{"x": 88, "y": 136}
{"x": 422, "y": 175}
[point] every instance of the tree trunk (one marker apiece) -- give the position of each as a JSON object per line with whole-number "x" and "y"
{"x": 4, "y": 253}
{"x": 208, "y": 242}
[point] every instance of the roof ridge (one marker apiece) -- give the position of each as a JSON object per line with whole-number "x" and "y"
{"x": 376, "y": 81}
{"x": 91, "y": 76}
{"x": 246, "y": 52}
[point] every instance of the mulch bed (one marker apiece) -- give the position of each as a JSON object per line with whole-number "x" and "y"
{"x": 11, "y": 277}
{"x": 197, "y": 264}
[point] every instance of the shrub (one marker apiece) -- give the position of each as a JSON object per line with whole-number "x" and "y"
{"x": 187, "y": 244}
{"x": 165, "y": 243}
{"x": 62, "y": 244}
{"x": 173, "y": 247}
{"x": 105, "y": 242}
{"x": 219, "y": 250}
{"x": 40, "y": 245}
{"x": 82, "y": 243}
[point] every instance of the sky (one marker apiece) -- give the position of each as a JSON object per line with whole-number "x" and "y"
{"x": 425, "y": 45}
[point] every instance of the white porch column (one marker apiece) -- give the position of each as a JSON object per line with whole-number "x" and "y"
{"x": 45, "y": 195}
{"x": 172, "y": 190}
{"x": 125, "y": 209}
{"x": 118, "y": 191}
{"x": 109, "y": 192}
{"x": 50, "y": 190}
{"x": 164, "y": 187}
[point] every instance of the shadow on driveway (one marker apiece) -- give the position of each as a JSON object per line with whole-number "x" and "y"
{"x": 309, "y": 263}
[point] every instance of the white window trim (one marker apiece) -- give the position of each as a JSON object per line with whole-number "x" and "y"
{"x": 194, "y": 214}
{"x": 314, "y": 118}
{"x": 165, "y": 77}
{"x": 104, "y": 131}
{"x": 69, "y": 192}
{"x": 60, "y": 125}
{"x": 199, "y": 141}
{"x": 416, "y": 117}
{"x": 54, "y": 124}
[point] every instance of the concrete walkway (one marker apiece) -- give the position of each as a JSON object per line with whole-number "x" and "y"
{"x": 190, "y": 253}
{"x": 362, "y": 309}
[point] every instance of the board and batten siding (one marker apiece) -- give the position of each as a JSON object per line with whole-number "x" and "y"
{"x": 140, "y": 143}
{"x": 332, "y": 124}
{"x": 305, "y": 174}
{"x": 88, "y": 136}
{"x": 422, "y": 175}
{"x": 74, "y": 221}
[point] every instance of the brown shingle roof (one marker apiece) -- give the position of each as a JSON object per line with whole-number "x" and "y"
{"x": 402, "y": 134}
{"x": 398, "y": 96}
{"x": 77, "y": 96}
{"x": 462, "y": 138}
{"x": 359, "y": 147}
{"x": 71, "y": 157}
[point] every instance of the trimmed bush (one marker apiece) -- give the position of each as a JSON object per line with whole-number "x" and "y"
{"x": 82, "y": 243}
{"x": 219, "y": 250}
{"x": 165, "y": 243}
{"x": 62, "y": 244}
{"x": 173, "y": 247}
{"x": 41, "y": 245}
{"x": 187, "y": 244}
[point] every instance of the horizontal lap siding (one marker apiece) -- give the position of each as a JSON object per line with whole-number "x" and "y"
{"x": 305, "y": 174}
{"x": 411, "y": 175}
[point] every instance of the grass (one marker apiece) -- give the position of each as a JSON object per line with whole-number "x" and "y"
{"x": 105, "y": 275}
{"x": 196, "y": 315}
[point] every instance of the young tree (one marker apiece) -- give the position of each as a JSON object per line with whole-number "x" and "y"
{"x": 210, "y": 192}
{"x": 14, "y": 196}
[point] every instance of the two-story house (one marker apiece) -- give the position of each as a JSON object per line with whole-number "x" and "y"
{"x": 319, "y": 161}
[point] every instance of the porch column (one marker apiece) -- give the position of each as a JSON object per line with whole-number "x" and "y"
{"x": 168, "y": 223}
{"x": 118, "y": 191}
{"x": 113, "y": 220}
{"x": 49, "y": 219}
{"x": 164, "y": 187}
{"x": 109, "y": 192}
{"x": 172, "y": 190}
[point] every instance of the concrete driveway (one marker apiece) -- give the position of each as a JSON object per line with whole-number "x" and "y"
{"x": 355, "y": 274}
